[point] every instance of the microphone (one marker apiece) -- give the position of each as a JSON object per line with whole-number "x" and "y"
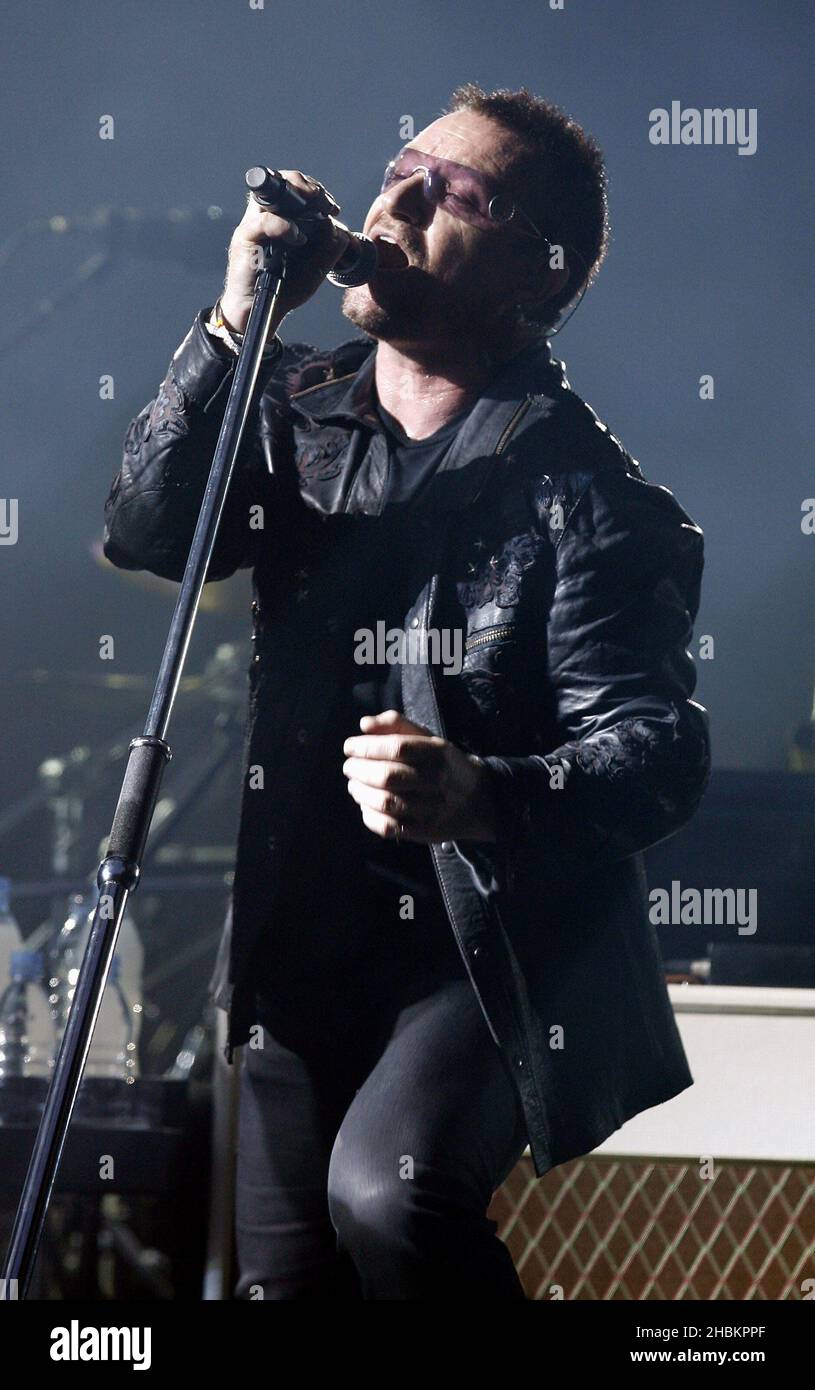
{"x": 358, "y": 262}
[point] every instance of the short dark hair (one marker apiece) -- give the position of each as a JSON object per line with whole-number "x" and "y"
{"x": 567, "y": 179}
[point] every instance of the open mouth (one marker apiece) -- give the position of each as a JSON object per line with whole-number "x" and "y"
{"x": 389, "y": 254}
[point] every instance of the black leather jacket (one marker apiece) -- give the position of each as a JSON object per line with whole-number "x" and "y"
{"x": 577, "y": 583}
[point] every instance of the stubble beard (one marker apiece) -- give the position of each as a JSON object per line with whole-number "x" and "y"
{"x": 393, "y": 315}
{"x": 416, "y": 313}
{"x": 414, "y": 310}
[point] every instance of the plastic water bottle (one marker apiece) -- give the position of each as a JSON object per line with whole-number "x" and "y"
{"x": 112, "y": 1053}
{"x": 10, "y": 938}
{"x": 26, "y": 1028}
{"x": 130, "y": 954}
{"x": 66, "y": 960}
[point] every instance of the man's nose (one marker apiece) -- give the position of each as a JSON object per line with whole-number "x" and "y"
{"x": 407, "y": 201}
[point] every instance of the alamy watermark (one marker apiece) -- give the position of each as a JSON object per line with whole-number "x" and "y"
{"x": 706, "y": 907}
{"x": 712, "y": 125}
{"x": 77, "y": 1343}
{"x": 9, "y": 528}
{"x": 396, "y": 646}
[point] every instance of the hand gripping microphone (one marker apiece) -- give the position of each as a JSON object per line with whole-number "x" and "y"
{"x": 357, "y": 263}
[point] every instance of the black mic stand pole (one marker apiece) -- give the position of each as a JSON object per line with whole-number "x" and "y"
{"x": 119, "y": 871}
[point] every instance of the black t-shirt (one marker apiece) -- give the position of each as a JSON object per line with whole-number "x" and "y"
{"x": 342, "y": 903}
{"x": 412, "y": 462}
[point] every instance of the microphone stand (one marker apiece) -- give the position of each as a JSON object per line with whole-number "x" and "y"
{"x": 120, "y": 870}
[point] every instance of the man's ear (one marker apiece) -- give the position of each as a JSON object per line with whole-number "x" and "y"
{"x": 543, "y": 275}
{"x": 546, "y": 274}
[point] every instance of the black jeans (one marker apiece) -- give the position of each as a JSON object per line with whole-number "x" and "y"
{"x": 376, "y": 1121}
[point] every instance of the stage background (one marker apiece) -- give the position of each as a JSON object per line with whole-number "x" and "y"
{"x": 709, "y": 272}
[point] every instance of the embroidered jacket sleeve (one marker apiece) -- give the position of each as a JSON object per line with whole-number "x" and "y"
{"x": 633, "y": 759}
{"x": 155, "y": 498}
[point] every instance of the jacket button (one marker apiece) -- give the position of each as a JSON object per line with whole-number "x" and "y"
{"x": 256, "y": 658}
{"x": 414, "y": 622}
{"x": 519, "y": 1061}
{"x": 447, "y": 846}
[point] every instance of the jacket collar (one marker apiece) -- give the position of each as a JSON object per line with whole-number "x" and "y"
{"x": 347, "y": 397}
{"x": 525, "y": 388}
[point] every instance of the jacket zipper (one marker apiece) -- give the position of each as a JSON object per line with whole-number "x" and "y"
{"x": 478, "y": 639}
{"x": 487, "y": 635}
{"x": 516, "y": 1015}
{"x": 428, "y": 609}
{"x": 499, "y": 629}
{"x": 520, "y": 1017}
{"x": 510, "y": 429}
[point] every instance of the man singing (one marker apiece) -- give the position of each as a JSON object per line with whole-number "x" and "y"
{"x": 438, "y": 950}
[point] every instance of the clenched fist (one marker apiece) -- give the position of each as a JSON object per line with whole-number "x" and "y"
{"x": 309, "y": 260}
{"x": 412, "y": 785}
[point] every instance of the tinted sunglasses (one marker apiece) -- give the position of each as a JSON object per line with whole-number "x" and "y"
{"x": 464, "y": 193}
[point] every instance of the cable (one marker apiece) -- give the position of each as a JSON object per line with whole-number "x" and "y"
{"x": 552, "y": 333}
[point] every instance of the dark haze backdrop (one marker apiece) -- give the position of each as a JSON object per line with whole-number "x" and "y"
{"x": 708, "y": 272}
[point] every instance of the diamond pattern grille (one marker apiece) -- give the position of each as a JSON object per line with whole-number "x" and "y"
{"x": 637, "y": 1228}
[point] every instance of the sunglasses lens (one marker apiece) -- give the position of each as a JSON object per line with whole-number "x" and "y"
{"x": 403, "y": 166}
{"x": 435, "y": 186}
{"x": 465, "y": 193}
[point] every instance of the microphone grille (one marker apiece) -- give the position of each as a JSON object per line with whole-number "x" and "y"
{"x": 363, "y": 259}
